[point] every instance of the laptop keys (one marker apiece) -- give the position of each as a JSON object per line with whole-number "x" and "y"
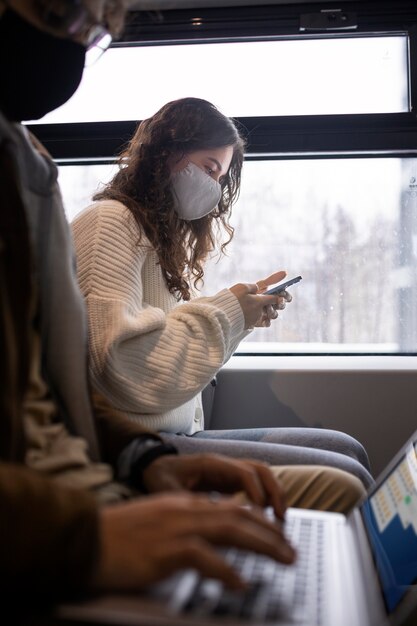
{"x": 276, "y": 593}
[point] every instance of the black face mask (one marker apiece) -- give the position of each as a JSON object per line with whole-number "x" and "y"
{"x": 38, "y": 72}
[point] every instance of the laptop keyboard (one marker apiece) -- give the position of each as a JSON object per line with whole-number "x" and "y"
{"x": 287, "y": 594}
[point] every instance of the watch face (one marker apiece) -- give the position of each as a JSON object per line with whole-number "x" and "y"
{"x": 150, "y": 443}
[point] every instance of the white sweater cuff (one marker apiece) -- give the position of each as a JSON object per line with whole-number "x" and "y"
{"x": 228, "y": 302}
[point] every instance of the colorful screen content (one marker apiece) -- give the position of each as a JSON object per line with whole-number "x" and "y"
{"x": 390, "y": 516}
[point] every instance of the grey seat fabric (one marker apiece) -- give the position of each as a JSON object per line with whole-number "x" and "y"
{"x": 282, "y": 446}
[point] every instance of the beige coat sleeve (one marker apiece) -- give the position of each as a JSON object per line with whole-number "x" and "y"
{"x": 48, "y": 536}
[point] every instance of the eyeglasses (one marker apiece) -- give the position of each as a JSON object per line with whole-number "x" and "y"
{"x": 72, "y": 18}
{"x": 98, "y": 47}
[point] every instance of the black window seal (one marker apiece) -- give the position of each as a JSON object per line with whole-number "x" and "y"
{"x": 293, "y": 136}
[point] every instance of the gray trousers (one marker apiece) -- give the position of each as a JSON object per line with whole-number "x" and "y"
{"x": 281, "y": 446}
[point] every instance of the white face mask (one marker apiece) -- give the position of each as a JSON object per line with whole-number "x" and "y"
{"x": 196, "y": 194}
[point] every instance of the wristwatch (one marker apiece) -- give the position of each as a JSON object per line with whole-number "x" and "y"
{"x": 137, "y": 456}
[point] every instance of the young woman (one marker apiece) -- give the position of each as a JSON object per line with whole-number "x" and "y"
{"x": 141, "y": 249}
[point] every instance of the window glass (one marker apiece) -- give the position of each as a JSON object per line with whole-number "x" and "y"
{"x": 253, "y": 78}
{"x": 348, "y": 226}
{"x": 79, "y": 183}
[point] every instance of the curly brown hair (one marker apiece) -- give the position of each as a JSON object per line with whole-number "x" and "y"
{"x": 143, "y": 185}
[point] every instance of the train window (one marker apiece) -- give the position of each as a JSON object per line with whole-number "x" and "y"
{"x": 79, "y": 182}
{"x": 349, "y": 226}
{"x": 329, "y": 188}
{"x": 336, "y": 75}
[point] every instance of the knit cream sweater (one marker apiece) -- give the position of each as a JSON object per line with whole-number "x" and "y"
{"x": 150, "y": 355}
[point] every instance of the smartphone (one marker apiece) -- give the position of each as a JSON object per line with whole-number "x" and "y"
{"x": 282, "y": 286}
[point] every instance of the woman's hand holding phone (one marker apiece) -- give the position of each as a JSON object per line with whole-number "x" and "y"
{"x": 274, "y": 278}
{"x": 258, "y": 307}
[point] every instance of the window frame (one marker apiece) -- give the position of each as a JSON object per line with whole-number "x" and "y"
{"x": 280, "y": 137}
{"x": 319, "y": 135}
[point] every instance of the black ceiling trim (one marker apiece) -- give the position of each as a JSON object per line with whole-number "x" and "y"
{"x": 146, "y": 27}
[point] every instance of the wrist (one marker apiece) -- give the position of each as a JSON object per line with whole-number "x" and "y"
{"x": 137, "y": 457}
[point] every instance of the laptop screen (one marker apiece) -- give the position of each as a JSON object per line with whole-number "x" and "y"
{"x": 390, "y": 517}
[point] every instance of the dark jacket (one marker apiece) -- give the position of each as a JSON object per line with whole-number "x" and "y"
{"x": 48, "y": 534}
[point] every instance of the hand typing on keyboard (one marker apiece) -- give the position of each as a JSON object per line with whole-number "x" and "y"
{"x": 274, "y": 591}
{"x": 146, "y": 540}
{"x": 253, "y": 480}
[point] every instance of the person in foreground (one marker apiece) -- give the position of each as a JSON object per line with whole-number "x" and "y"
{"x": 141, "y": 249}
{"x": 64, "y": 470}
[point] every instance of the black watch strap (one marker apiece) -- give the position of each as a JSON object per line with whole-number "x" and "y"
{"x": 143, "y": 461}
{"x": 136, "y": 457}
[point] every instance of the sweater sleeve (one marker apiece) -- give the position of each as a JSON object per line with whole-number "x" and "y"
{"x": 143, "y": 359}
{"x": 48, "y": 536}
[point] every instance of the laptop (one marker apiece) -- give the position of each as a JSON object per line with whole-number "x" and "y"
{"x": 358, "y": 570}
